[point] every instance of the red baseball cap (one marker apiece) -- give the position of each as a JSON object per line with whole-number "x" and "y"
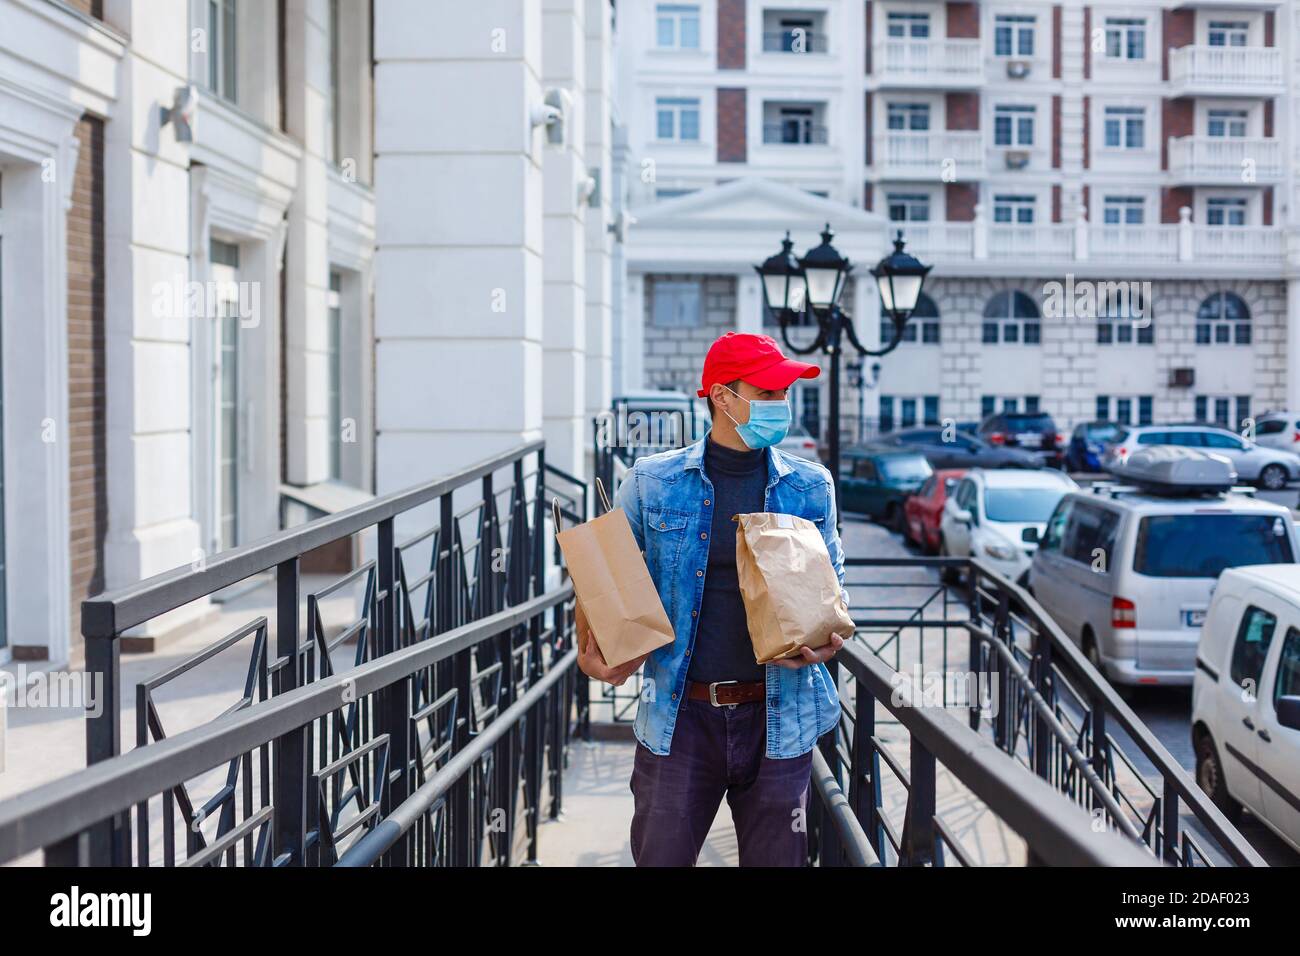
{"x": 755, "y": 359}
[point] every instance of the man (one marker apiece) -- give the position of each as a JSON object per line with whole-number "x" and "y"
{"x": 710, "y": 721}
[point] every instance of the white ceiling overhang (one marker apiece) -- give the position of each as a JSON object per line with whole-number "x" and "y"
{"x": 735, "y": 226}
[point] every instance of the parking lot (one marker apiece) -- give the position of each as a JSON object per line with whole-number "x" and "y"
{"x": 1166, "y": 711}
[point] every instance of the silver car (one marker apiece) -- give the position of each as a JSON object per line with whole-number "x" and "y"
{"x": 1270, "y": 468}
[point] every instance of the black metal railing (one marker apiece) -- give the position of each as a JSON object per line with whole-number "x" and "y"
{"x": 1053, "y": 712}
{"x": 794, "y": 40}
{"x": 796, "y": 134}
{"x": 480, "y": 554}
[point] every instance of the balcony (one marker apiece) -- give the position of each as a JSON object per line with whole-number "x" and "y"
{"x": 1226, "y": 71}
{"x": 794, "y": 134}
{"x": 1225, "y": 161}
{"x": 920, "y": 64}
{"x": 795, "y": 40}
{"x": 899, "y": 154}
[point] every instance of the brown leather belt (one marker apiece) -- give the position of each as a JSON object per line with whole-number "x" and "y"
{"x": 726, "y": 693}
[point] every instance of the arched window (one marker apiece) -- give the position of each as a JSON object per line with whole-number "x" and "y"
{"x": 1123, "y": 314}
{"x": 1011, "y": 316}
{"x": 922, "y": 327}
{"x": 1223, "y": 319}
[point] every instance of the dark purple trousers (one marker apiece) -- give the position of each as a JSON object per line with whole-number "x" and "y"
{"x": 717, "y": 751}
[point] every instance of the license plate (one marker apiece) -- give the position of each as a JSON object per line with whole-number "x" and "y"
{"x": 1194, "y": 618}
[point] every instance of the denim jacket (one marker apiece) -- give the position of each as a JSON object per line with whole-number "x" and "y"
{"x": 667, "y": 499}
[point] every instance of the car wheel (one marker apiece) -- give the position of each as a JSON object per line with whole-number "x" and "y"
{"x": 1209, "y": 775}
{"x": 1273, "y": 478}
{"x": 947, "y": 575}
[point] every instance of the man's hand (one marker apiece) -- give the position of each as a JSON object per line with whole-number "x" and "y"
{"x": 592, "y": 662}
{"x": 808, "y": 655}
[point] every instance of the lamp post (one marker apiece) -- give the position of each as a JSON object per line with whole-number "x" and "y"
{"x": 814, "y": 284}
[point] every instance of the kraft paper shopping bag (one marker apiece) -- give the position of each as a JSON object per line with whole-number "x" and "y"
{"x": 790, "y": 589}
{"x": 613, "y": 585}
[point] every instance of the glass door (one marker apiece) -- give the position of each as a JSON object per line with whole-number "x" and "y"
{"x": 225, "y": 394}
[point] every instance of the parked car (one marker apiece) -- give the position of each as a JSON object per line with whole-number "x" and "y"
{"x": 959, "y": 450}
{"x": 1269, "y": 468}
{"x": 1278, "y": 430}
{"x": 1088, "y": 442}
{"x": 799, "y": 443}
{"x": 1034, "y": 432}
{"x": 921, "y": 511}
{"x": 997, "y": 515}
{"x": 1127, "y": 570}
{"x": 1246, "y": 697}
{"x": 875, "y": 481}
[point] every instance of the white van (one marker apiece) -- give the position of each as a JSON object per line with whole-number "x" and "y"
{"x": 1127, "y": 570}
{"x": 1246, "y": 697}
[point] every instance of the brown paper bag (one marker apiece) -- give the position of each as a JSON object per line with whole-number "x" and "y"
{"x": 791, "y": 592}
{"x": 613, "y": 586}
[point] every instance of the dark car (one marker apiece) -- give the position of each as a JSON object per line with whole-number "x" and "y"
{"x": 955, "y": 449}
{"x": 876, "y": 480}
{"x": 1087, "y": 442}
{"x": 1034, "y": 432}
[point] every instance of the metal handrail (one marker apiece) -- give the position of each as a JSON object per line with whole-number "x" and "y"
{"x": 852, "y": 838}
{"x": 65, "y": 809}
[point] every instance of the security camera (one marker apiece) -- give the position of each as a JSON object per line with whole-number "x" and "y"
{"x": 185, "y": 104}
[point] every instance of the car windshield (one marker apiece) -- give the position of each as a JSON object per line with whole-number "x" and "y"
{"x": 1021, "y": 504}
{"x": 1030, "y": 423}
{"x": 1202, "y": 545}
{"x": 902, "y": 469}
{"x": 1103, "y": 433}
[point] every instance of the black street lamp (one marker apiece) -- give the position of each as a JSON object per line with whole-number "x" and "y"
{"x": 814, "y": 284}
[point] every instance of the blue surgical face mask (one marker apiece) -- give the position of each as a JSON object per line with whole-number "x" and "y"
{"x": 768, "y": 424}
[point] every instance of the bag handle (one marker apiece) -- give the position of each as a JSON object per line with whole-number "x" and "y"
{"x": 604, "y": 498}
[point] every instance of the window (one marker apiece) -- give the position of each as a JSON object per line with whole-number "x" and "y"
{"x": 1223, "y": 318}
{"x": 1228, "y": 32}
{"x": 795, "y": 124}
{"x": 1013, "y": 125}
{"x": 923, "y": 325}
{"x": 1125, "y": 127}
{"x": 1123, "y": 210}
{"x": 795, "y": 34}
{"x": 671, "y": 193}
{"x": 677, "y": 304}
{"x": 1287, "y": 681}
{"x": 901, "y": 411}
{"x": 677, "y": 26}
{"x": 808, "y": 400}
{"x": 1013, "y": 35}
{"x": 1226, "y": 124}
{"x": 1254, "y": 635}
{"x": 914, "y": 26}
{"x": 1055, "y": 530}
{"x": 1126, "y": 38}
{"x": 909, "y": 116}
{"x": 1012, "y": 208}
{"x": 1226, "y": 411}
{"x": 1091, "y": 529}
{"x": 1204, "y": 545}
{"x": 333, "y": 140}
{"x": 1223, "y": 211}
{"x": 1122, "y": 410}
{"x": 333, "y": 353}
{"x": 1010, "y": 406}
{"x": 1123, "y": 317}
{"x": 678, "y": 118}
{"x": 1011, "y": 317}
{"x": 908, "y": 207}
{"x": 221, "y": 48}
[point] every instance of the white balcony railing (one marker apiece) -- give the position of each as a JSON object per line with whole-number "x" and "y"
{"x": 1146, "y": 245}
{"x": 942, "y": 62}
{"x": 1225, "y": 159}
{"x": 1226, "y": 69}
{"x": 924, "y": 154}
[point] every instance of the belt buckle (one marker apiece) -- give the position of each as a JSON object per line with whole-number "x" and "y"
{"x": 713, "y": 692}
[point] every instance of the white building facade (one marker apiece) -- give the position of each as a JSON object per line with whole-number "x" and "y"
{"x": 1033, "y": 152}
{"x": 259, "y": 260}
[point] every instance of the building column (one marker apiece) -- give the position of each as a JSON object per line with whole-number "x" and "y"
{"x": 1292, "y": 386}
{"x": 749, "y": 304}
{"x": 458, "y": 264}
{"x": 566, "y": 191}
{"x": 306, "y": 318}
{"x": 634, "y": 344}
{"x": 598, "y": 153}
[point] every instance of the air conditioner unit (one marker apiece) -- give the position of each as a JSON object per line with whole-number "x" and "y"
{"x": 1182, "y": 377}
{"x": 1017, "y": 69}
{"x": 1017, "y": 158}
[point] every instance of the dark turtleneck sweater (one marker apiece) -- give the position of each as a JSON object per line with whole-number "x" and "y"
{"x": 722, "y": 648}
